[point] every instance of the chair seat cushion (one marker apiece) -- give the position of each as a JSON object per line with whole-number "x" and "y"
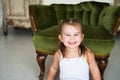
{"x": 46, "y": 44}
{"x": 49, "y": 32}
{"x": 95, "y": 38}
{"x": 47, "y": 40}
{"x": 97, "y": 45}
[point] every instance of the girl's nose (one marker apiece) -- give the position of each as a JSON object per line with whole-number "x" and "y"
{"x": 72, "y": 38}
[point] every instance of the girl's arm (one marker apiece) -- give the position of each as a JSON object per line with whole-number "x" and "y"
{"x": 93, "y": 66}
{"x": 54, "y": 66}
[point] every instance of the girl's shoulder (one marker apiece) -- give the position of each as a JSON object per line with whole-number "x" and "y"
{"x": 57, "y": 55}
{"x": 89, "y": 55}
{"x": 89, "y": 51}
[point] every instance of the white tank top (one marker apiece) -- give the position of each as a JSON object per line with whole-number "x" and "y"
{"x": 73, "y": 68}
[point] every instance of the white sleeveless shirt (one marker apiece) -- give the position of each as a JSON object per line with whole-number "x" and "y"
{"x": 73, "y": 68}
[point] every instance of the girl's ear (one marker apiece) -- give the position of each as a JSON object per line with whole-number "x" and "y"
{"x": 59, "y": 36}
{"x": 82, "y": 37}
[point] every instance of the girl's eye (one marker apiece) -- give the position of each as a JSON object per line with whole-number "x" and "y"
{"x": 67, "y": 35}
{"x": 76, "y": 35}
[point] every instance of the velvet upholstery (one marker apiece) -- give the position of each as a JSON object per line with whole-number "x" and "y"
{"x": 98, "y": 24}
{"x": 98, "y": 19}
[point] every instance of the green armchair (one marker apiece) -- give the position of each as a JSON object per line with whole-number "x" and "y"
{"x": 100, "y": 21}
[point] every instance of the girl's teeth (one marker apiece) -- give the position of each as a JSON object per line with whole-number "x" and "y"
{"x": 71, "y": 43}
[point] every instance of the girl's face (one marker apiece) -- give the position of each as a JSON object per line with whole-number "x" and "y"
{"x": 71, "y": 36}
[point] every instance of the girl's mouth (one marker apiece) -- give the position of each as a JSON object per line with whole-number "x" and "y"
{"x": 72, "y": 43}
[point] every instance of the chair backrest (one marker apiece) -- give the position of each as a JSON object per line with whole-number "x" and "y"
{"x": 87, "y": 12}
{"x": 90, "y": 13}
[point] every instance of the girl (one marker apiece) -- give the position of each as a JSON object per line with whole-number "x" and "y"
{"x": 73, "y": 59}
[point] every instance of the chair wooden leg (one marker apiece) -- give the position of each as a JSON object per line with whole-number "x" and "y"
{"x": 41, "y": 62}
{"x": 102, "y": 64}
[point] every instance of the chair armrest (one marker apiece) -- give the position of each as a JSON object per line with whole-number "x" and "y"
{"x": 117, "y": 24}
{"x": 32, "y": 20}
{"x": 110, "y": 18}
{"x": 42, "y": 17}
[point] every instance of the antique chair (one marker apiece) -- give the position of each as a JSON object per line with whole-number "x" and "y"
{"x": 100, "y": 21}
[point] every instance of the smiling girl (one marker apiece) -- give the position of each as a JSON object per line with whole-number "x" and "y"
{"x": 73, "y": 59}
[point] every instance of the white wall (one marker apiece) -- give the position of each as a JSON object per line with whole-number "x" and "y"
{"x": 48, "y": 2}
